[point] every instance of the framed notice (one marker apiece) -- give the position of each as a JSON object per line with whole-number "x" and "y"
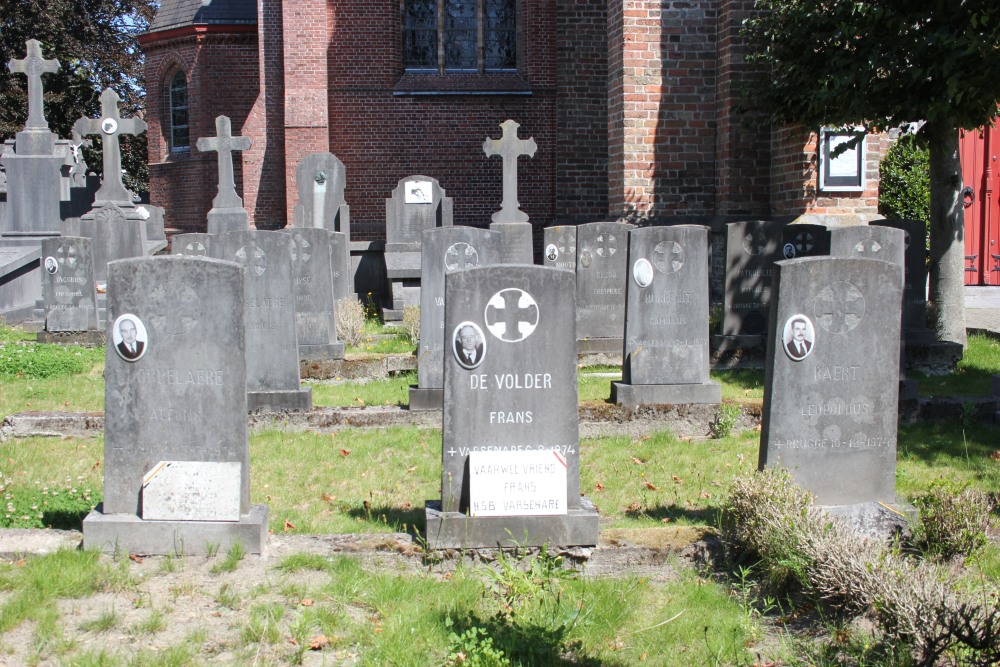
{"x": 842, "y": 171}
{"x": 517, "y": 483}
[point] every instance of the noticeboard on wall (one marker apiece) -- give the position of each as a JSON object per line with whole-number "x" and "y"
{"x": 842, "y": 171}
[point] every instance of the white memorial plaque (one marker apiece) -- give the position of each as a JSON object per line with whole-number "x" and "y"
{"x": 517, "y": 483}
{"x": 192, "y": 491}
{"x": 418, "y": 192}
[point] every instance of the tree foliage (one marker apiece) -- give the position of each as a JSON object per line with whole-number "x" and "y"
{"x": 904, "y": 181}
{"x": 883, "y": 65}
{"x": 95, "y": 43}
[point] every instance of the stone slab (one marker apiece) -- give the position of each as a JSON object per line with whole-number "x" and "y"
{"x": 559, "y": 247}
{"x": 321, "y": 352}
{"x": 752, "y": 248}
{"x": 516, "y": 244}
{"x": 456, "y": 530}
{"x": 68, "y": 285}
{"x": 426, "y": 399}
{"x": 612, "y": 346}
{"x": 192, "y": 491}
{"x": 278, "y": 400}
{"x": 665, "y": 394}
{"x": 400, "y": 265}
{"x": 418, "y": 203}
{"x": 601, "y": 268}
{"x": 128, "y": 534}
{"x": 81, "y": 338}
{"x": 222, "y": 220}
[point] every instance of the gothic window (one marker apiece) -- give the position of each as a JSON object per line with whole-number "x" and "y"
{"x": 178, "y": 108}
{"x": 459, "y": 35}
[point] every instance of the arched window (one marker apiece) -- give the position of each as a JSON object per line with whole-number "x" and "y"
{"x": 460, "y": 35}
{"x": 178, "y": 108}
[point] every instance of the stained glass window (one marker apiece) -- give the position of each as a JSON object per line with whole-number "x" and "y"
{"x": 460, "y": 35}
{"x": 179, "y": 113}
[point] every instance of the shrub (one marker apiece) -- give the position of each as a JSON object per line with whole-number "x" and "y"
{"x": 904, "y": 181}
{"x": 45, "y": 361}
{"x": 953, "y": 521}
{"x": 726, "y": 419}
{"x": 350, "y": 321}
{"x": 411, "y": 323}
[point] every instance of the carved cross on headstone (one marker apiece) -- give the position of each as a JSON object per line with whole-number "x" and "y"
{"x": 34, "y": 66}
{"x": 109, "y": 126}
{"x": 518, "y": 308}
{"x": 509, "y": 147}
{"x": 224, "y": 143}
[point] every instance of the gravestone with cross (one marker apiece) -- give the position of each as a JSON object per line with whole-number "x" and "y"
{"x": 68, "y": 286}
{"x": 601, "y": 267}
{"x": 320, "y": 180}
{"x": 227, "y": 213}
{"x": 830, "y": 399}
{"x": 559, "y": 247}
{"x": 510, "y": 220}
{"x": 665, "y": 357}
{"x": 444, "y": 250}
{"x": 315, "y": 307}
{"x": 805, "y": 240}
{"x": 35, "y": 138}
{"x": 417, "y": 204}
{"x": 510, "y": 410}
{"x": 272, "y": 353}
{"x": 915, "y": 331}
{"x": 109, "y": 127}
{"x": 752, "y": 248}
{"x": 192, "y": 244}
{"x": 175, "y": 414}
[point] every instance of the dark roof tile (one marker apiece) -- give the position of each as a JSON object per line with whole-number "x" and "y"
{"x": 180, "y": 13}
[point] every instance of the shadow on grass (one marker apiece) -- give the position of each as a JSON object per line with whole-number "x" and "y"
{"x": 697, "y": 515}
{"x": 523, "y": 643}
{"x": 65, "y": 519}
{"x": 401, "y": 520}
{"x": 970, "y": 446}
{"x": 742, "y": 378}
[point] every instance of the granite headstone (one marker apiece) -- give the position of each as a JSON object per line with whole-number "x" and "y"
{"x": 192, "y": 244}
{"x": 321, "y": 180}
{"x": 315, "y": 308}
{"x": 510, "y": 220}
{"x": 68, "y": 285}
{"x": 752, "y": 248}
{"x": 915, "y": 328}
{"x": 559, "y": 247}
{"x": 227, "y": 213}
{"x": 805, "y": 240}
{"x": 601, "y": 268}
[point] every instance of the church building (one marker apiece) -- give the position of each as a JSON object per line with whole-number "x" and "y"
{"x": 633, "y": 105}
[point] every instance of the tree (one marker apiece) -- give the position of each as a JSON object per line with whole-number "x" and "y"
{"x": 95, "y": 43}
{"x": 882, "y": 65}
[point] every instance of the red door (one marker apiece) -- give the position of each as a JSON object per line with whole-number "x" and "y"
{"x": 980, "y": 150}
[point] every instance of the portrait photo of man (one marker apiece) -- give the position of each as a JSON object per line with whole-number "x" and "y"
{"x": 129, "y": 337}
{"x": 51, "y": 265}
{"x": 798, "y": 337}
{"x": 469, "y": 345}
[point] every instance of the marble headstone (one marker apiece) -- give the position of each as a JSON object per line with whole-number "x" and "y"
{"x": 510, "y": 220}
{"x": 752, "y": 248}
{"x": 315, "y": 308}
{"x": 601, "y": 268}
{"x": 445, "y": 250}
{"x": 227, "y": 213}
{"x": 520, "y": 394}
{"x": 320, "y": 180}
{"x": 559, "y": 247}
{"x": 116, "y": 235}
{"x": 68, "y": 286}
{"x": 272, "y": 355}
{"x": 175, "y": 390}
{"x": 417, "y": 204}
{"x": 830, "y": 399}
{"x": 805, "y": 240}
{"x": 666, "y": 352}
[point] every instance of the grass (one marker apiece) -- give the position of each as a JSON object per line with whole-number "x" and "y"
{"x": 972, "y": 377}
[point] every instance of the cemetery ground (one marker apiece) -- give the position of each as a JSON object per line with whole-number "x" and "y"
{"x": 346, "y": 580}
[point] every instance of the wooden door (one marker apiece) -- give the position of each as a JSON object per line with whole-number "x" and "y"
{"x": 980, "y": 150}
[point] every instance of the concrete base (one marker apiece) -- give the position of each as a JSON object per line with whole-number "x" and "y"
{"x": 455, "y": 530}
{"x": 599, "y": 346}
{"x": 392, "y": 315}
{"x": 82, "y": 338}
{"x": 221, "y": 220}
{"x": 426, "y": 399}
{"x": 289, "y": 400}
{"x": 127, "y": 533}
{"x": 744, "y": 342}
{"x": 876, "y": 520}
{"x": 322, "y": 352}
{"x": 665, "y": 394}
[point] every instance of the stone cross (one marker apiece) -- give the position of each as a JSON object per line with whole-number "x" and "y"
{"x": 109, "y": 126}
{"x": 509, "y": 147}
{"x": 512, "y": 315}
{"x": 34, "y": 66}
{"x": 224, "y": 143}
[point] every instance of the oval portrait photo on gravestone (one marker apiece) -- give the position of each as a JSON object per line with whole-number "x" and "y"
{"x": 51, "y": 265}
{"x": 552, "y": 252}
{"x": 642, "y": 272}
{"x": 798, "y": 337}
{"x": 129, "y": 337}
{"x": 469, "y": 345}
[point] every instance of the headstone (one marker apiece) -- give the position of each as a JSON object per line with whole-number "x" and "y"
{"x": 510, "y": 220}
{"x": 830, "y": 401}
{"x": 889, "y": 245}
{"x": 520, "y": 395}
{"x": 752, "y": 248}
{"x": 272, "y": 354}
{"x": 227, "y": 213}
{"x": 665, "y": 357}
{"x": 315, "y": 308}
{"x": 601, "y": 268}
{"x": 417, "y": 204}
{"x": 560, "y": 247}
{"x": 192, "y": 245}
{"x": 175, "y": 391}
{"x": 68, "y": 286}
{"x": 915, "y": 330}
{"x": 805, "y": 240}
{"x": 340, "y": 266}
{"x": 153, "y": 215}
{"x": 110, "y": 126}
{"x": 445, "y": 249}
{"x": 321, "y": 180}
{"x": 115, "y": 235}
